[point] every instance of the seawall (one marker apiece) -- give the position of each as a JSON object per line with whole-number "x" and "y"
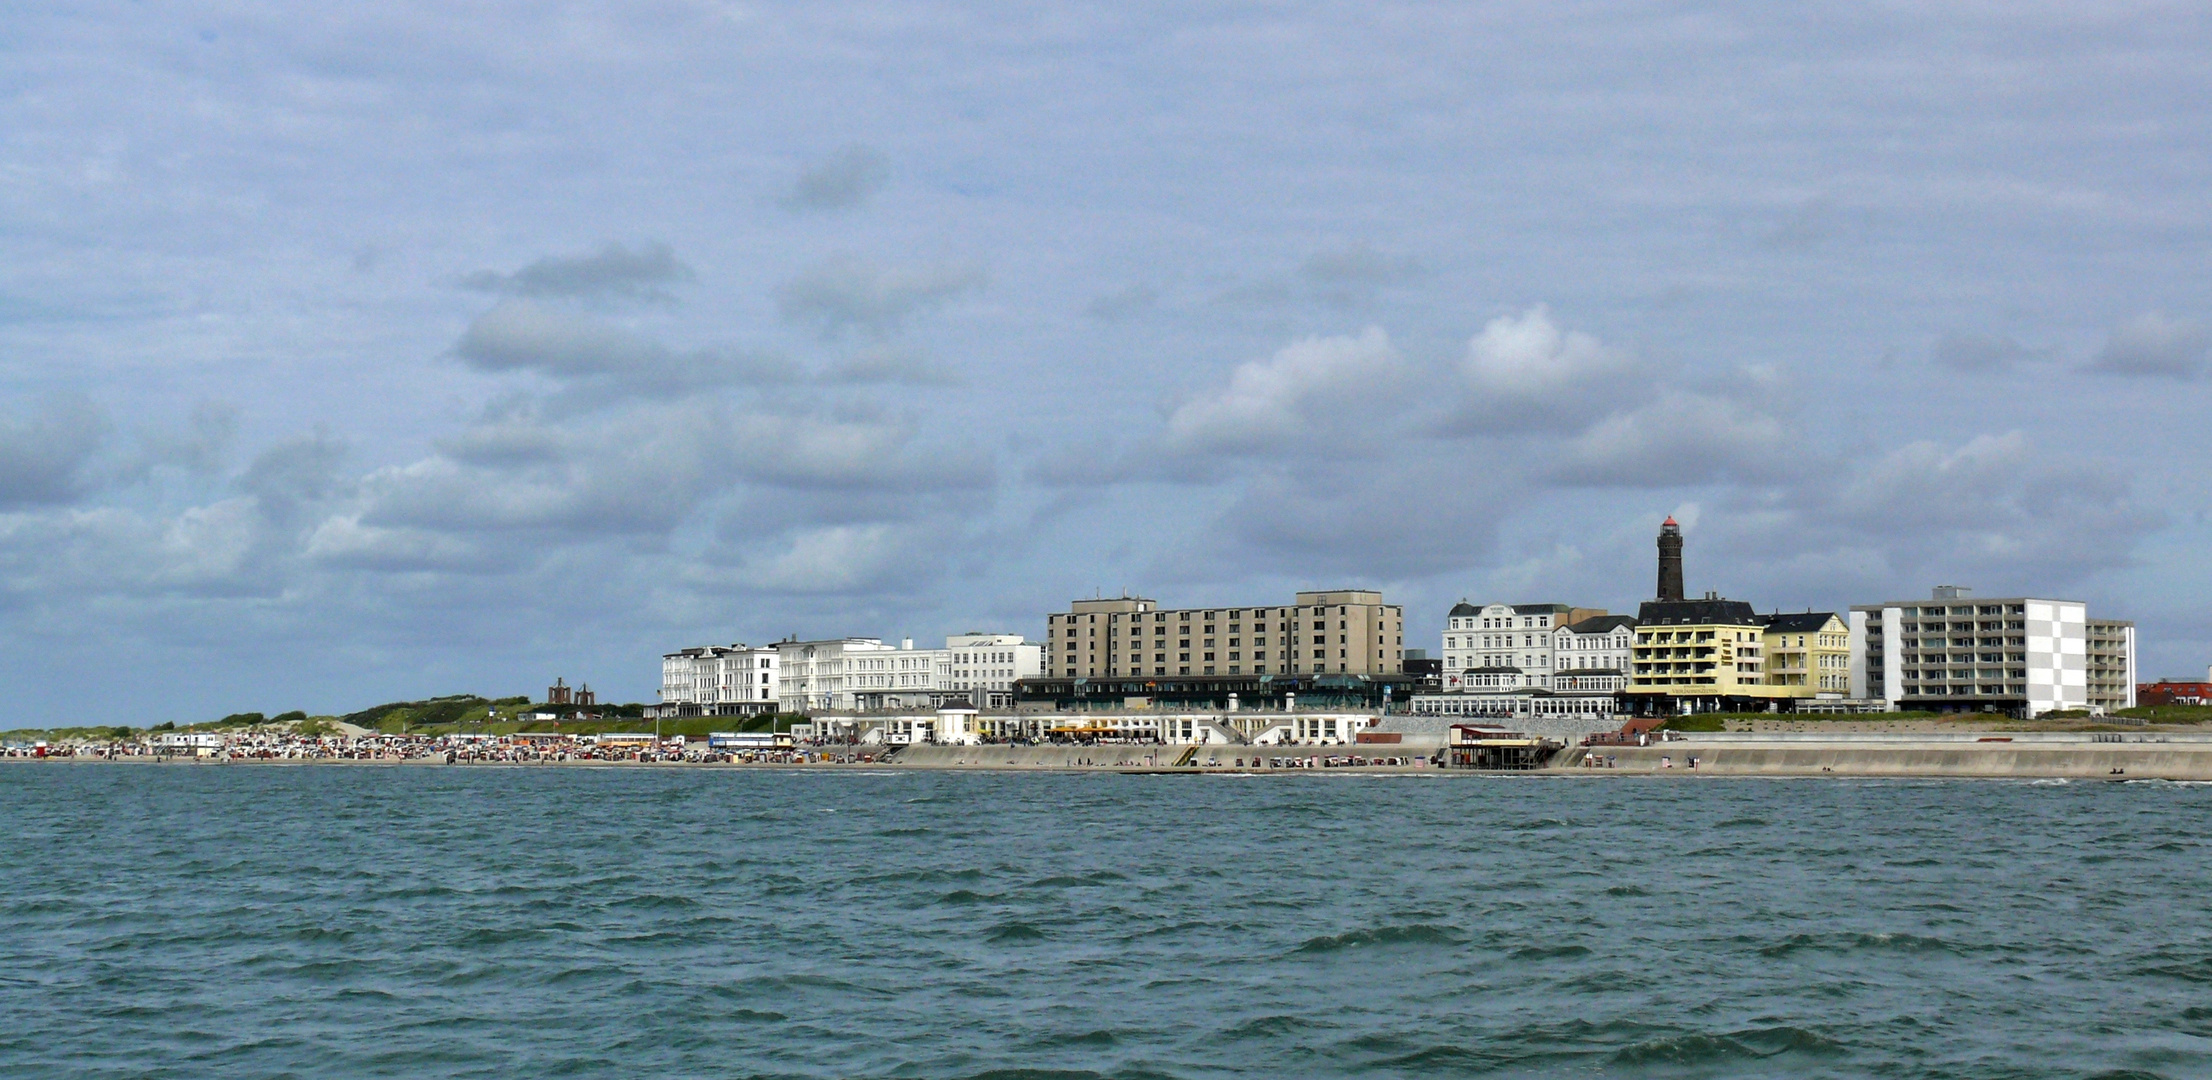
{"x": 2040, "y": 758}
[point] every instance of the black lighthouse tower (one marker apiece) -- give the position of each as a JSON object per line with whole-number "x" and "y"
{"x": 1670, "y": 560}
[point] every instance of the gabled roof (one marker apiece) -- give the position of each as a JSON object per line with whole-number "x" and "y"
{"x": 1603, "y": 624}
{"x": 1697, "y": 613}
{"x": 1805, "y": 622}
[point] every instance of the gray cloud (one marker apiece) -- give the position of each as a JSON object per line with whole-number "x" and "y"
{"x": 295, "y": 472}
{"x": 843, "y": 181}
{"x": 1351, "y": 275}
{"x": 1996, "y": 506}
{"x": 2153, "y": 345}
{"x": 843, "y": 293}
{"x": 890, "y": 367}
{"x": 1980, "y": 352}
{"x": 1123, "y": 303}
{"x": 522, "y": 335}
{"x": 45, "y": 457}
{"x": 1354, "y": 273}
{"x": 1804, "y": 227}
{"x": 612, "y": 272}
{"x": 1353, "y": 521}
{"x": 201, "y": 446}
{"x": 1681, "y": 439}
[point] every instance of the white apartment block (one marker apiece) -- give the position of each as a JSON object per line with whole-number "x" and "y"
{"x": 861, "y": 674}
{"x": 717, "y": 680}
{"x": 2019, "y": 655}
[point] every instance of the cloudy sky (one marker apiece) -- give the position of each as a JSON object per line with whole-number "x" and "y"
{"x": 359, "y": 352}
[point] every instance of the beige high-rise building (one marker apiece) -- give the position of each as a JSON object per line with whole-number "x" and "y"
{"x": 1342, "y": 631}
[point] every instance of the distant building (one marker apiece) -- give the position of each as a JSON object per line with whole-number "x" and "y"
{"x": 1530, "y": 660}
{"x": 1809, "y": 650}
{"x": 1425, "y": 671}
{"x": 845, "y": 674}
{"x": 1719, "y": 655}
{"x": 1340, "y": 632}
{"x": 2018, "y": 655}
{"x": 2175, "y": 692}
{"x": 1500, "y": 635}
{"x": 720, "y": 680}
{"x": 560, "y": 693}
{"x": 1599, "y": 647}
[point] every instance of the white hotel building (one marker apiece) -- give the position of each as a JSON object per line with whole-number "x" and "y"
{"x": 1530, "y": 660}
{"x": 720, "y": 680}
{"x": 864, "y": 674}
{"x": 2019, "y": 655}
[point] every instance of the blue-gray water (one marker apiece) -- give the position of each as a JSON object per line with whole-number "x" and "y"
{"x": 446, "y": 922}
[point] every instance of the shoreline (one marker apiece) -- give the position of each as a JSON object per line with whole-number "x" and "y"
{"x": 1662, "y": 761}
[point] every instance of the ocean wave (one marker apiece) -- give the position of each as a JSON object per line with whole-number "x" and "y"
{"x": 1699, "y": 1048}
{"x": 1907, "y": 943}
{"x": 959, "y": 897}
{"x": 1266, "y": 1027}
{"x": 1383, "y": 937}
{"x": 2196, "y": 971}
{"x": 1012, "y": 932}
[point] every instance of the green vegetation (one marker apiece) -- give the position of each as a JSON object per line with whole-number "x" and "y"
{"x": 445, "y": 715}
{"x": 2170, "y": 714}
{"x": 1698, "y": 722}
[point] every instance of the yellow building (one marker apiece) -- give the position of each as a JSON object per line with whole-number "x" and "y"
{"x": 1808, "y": 653}
{"x": 1715, "y": 655}
{"x": 1710, "y": 650}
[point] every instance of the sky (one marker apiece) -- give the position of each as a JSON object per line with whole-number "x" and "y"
{"x": 355, "y": 353}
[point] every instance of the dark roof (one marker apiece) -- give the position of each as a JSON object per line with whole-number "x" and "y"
{"x": 1540, "y": 609}
{"x": 1804, "y": 622}
{"x": 1603, "y": 624}
{"x": 1463, "y": 609}
{"x": 1697, "y": 613}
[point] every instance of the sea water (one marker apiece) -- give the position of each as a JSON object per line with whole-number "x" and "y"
{"x": 336, "y": 921}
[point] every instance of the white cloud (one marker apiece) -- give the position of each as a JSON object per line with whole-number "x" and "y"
{"x": 1526, "y": 373}
{"x": 1272, "y": 404}
{"x": 345, "y": 541}
{"x": 1681, "y": 439}
{"x": 1529, "y": 358}
{"x": 841, "y": 558}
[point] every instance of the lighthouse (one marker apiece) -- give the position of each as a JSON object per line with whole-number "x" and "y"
{"x": 1670, "y": 560}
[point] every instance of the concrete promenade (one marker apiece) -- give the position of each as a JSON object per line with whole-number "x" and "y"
{"x": 2021, "y": 755}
